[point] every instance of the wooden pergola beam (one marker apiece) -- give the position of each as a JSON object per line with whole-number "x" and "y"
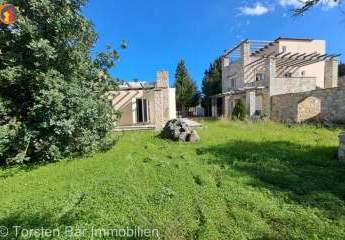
{"x": 309, "y": 56}
{"x": 277, "y": 55}
{"x": 286, "y": 68}
{"x": 227, "y": 53}
{"x": 282, "y": 60}
{"x": 256, "y": 61}
{"x": 285, "y": 55}
{"x": 260, "y": 60}
{"x": 297, "y": 60}
{"x": 319, "y": 59}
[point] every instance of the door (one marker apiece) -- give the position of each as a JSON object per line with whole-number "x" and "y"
{"x": 142, "y": 110}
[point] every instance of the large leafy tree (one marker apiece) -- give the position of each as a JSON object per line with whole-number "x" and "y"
{"x": 185, "y": 88}
{"x": 52, "y": 102}
{"x": 212, "y": 83}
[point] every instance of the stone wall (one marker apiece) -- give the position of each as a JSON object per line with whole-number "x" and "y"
{"x": 161, "y": 107}
{"x": 331, "y": 73}
{"x": 341, "y": 81}
{"x": 266, "y": 102}
{"x": 292, "y": 85}
{"x": 342, "y": 147}
{"x": 321, "y": 104}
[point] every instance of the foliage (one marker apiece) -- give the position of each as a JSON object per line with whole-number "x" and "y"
{"x": 242, "y": 181}
{"x": 212, "y": 83}
{"x": 185, "y": 87}
{"x": 308, "y": 4}
{"x": 51, "y": 103}
{"x": 239, "y": 111}
{"x": 341, "y": 71}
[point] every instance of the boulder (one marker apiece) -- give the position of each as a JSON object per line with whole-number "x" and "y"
{"x": 178, "y": 130}
{"x": 194, "y": 137}
{"x": 183, "y": 136}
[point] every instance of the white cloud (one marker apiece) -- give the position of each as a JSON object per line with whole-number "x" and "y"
{"x": 293, "y": 3}
{"x": 257, "y": 10}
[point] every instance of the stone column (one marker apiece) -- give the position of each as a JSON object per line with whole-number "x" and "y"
{"x": 245, "y": 55}
{"x": 225, "y": 62}
{"x": 250, "y": 103}
{"x": 245, "y": 52}
{"x": 331, "y": 73}
{"x": 270, "y": 65}
{"x": 225, "y": 69}
{"x": 162, "y": 79}
{"x": 226, "y": 107}
{"x": 214, "y": 107}
{"x": 341, "y": 153}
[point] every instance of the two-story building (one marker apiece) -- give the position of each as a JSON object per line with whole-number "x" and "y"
{"x": 255, "y": 71}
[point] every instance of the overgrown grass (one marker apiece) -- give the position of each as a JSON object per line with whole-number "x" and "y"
{"x": 242, "y": 181}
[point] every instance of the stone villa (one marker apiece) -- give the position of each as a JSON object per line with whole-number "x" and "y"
{"x": 285, "y": 79}
{"x": 145, "y": 105}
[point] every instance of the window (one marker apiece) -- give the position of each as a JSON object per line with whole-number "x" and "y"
{"x": 260, "y": 77}
{"x": 284, "y": 48}
{"x": 288, "y": 75}
{"x": 303, "y": 73}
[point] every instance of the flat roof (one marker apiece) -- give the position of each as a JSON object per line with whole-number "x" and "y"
{"x": 136, "y": 86}
{"x": 293, "y": 39}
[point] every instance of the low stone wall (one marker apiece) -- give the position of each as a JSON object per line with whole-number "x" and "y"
{"x": 342, "y": 147}
{"x": 321, "y": 104}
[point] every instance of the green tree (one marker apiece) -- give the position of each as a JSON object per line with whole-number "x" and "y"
{"x": 185, "y": 88}
{"x": 212, "y": 83}
{"x": 239, "y": 111}
{"x": 52, "y": 102}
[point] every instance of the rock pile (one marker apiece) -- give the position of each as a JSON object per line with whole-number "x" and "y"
{"x": 341, "y": 153}
{"x": 178, "y": 130}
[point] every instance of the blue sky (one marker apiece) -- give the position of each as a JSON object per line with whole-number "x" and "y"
{"x": 160, "y": 32}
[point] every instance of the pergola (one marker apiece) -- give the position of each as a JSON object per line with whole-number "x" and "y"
{"x": 284, "y": 61}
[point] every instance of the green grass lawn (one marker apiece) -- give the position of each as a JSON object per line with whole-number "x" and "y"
{"x": 242, "y": 181}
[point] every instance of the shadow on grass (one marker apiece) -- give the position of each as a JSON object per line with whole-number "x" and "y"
{"x": 10, "y": 171}
{"x": 310, "y": 175}
{"x": 17, "y": 225}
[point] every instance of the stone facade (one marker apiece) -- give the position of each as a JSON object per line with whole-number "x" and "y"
{"x": 322, "y": 104}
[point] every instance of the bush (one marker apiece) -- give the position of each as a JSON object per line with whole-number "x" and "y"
{"x": 51, "y": 95}
{"x": 239, "y": 111}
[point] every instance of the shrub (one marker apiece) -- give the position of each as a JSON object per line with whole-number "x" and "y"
{"x": 51, "y": 95}
{"x": 239, "y": 111}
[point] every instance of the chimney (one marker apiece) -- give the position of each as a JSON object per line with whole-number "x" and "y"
{"x": 162, "y": 79}
{"x": 331, "y": 73}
